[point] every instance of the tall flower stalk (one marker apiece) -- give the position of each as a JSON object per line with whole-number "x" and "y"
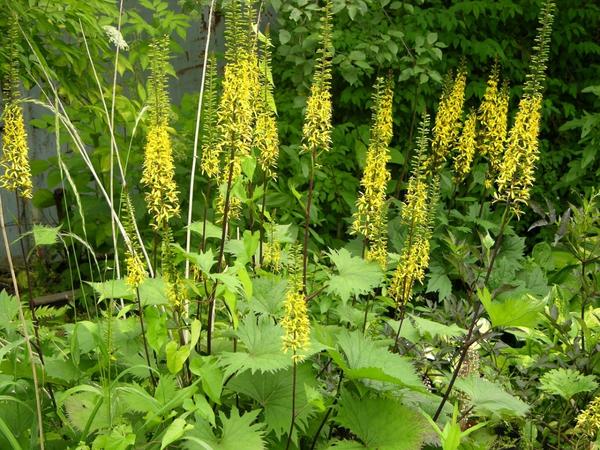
{"x": 159, "y": 170}
{"x": 316, "y": 131}
{"x": 14, "y": 163}
{"x": 236, "y": 116}
{"x": 515, "y": 176}
{"x": 417, "y": 216}
{"x": 493, "y": 124}
{"x": 370, "y": 219}
{"x": 446, "y": 128}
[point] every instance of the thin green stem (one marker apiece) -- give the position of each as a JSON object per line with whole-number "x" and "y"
{"x": 38, "y": 401}
{"x": 311, "y": 183}
{"x": 293, "y": 420}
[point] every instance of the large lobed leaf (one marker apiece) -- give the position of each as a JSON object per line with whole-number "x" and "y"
{"x": 380, "y": 423}
{"x": 361, "y": 357}
{"x": 355, "y": 276}
{"x": 261, "y": 348}
{"x": 567, "y": 382}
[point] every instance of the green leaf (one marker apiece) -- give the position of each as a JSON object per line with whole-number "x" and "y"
{"x": 212, "y": 231}
{"x": 382, "y": 424}
{"x": 203, "y": 260}
{"x": 207, "y": 369}
{"x": 112, "y": 289}
{"x": 261, "y": 348}
{"x": 236, "y": 432}
{"x": 45, "y": 235}
{"x": 120, "y": 437}
{"x": 153, "y": 291}
{"x": 268, "y": 293}
{"x": 176, "y": 356}
{"x": 439, "y": 282}
{"x": 284, "y": 36}
{"x": 522, "y": 311}
{"x": 490, "y": 399}
{"x": 175, "y": 432}
{"x": 430, "y": 329}
{"x": 9, "y": 308}
{"x": 273, "y": 392}
{"x": 361, "y": 357}
{"x": 355, "y": 275}
{"x": 567, "y": 382}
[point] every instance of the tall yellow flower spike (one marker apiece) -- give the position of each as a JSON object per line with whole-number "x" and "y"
{"x": 418, "y": 215}
{"x": 493, "y": 120}
{"x": 316, "y": 131}
{"x": 136, "y": 271}
{"x": 266, "y": 136}
{"x": 159, "y": 170}
{"x": 210, "y": 163}
{"x": 295, "y": 322}
{"x": 237, "y": 108}
{"x": 465, "y": 150}
{"x": 516, "y": 172}
{"x": 15, "y": 152}
{"x": 447, "y": 122}
{"x": 370, "y": 217}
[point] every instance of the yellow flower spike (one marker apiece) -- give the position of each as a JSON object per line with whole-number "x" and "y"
{"x": 136, "y": 272}
{"x": 370, "y": 216}
{"x": 266, "y": 136}
{"x": 296, "y": 324}
{"x": 15, "y": 152}
{"x": 516, "y": 171}
{"x": 493, "y": 120}
{"x": 159, "y": 169}
{"x": 210, "y": 162}
{"x": 272, "y": 255}
{"x": 447, "y": 122}
{"x": 588, "y": 421}
{"x": 236, "y": 113}
{"x": 157, "y": 176}
{"x": 465, "y": 150}
{"x": 316, "y": 131}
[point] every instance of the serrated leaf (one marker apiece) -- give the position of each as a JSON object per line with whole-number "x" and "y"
{"x": 361, "y": 357}
{"x": 430, "y": 329}
{"x": 236, "y": 432}
{"x": 81, "y": 407}
{"x": 112, "y": 289}
{"x": 567, "y": 382}
{"x": 521, "y": 311}
{"x": 382, "y": 424}
{"x": 273, "y": 392}
{"x": 355, "y": 276}
{"x": 490, "y": 399}
{"x": 260, "y": 349}
{"x": 268, "y": 293}
{"x": 45, "y": 235}
{"x": 9, "y": 308}
{"x": 121, "y": 437}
